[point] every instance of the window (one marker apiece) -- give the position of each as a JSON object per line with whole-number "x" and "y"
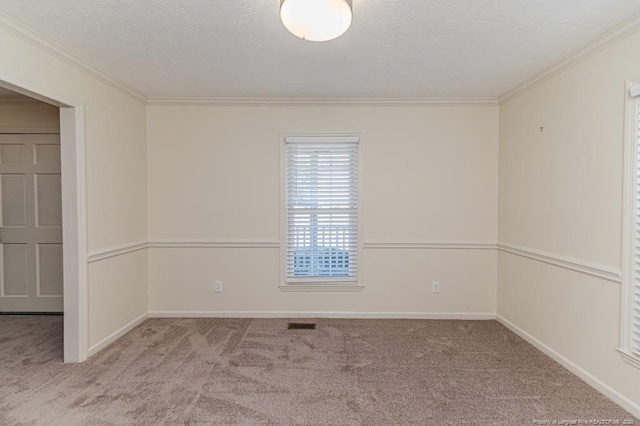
{"x": 321, "y": 195}
{"x": 630, "y": 325}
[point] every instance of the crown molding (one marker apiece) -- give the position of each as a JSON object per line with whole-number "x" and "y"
{"x": 26, "y": 33}
{"x": 221, "y": 101}
{"x": 617, "y": 33}
{"x": 47, "y": 45}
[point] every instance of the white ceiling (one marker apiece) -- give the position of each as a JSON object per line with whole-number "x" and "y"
{"x": 394, "y": 49}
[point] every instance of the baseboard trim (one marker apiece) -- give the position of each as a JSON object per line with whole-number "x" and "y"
{"x": 323, "y": 314}
{"x": 118, "y": 334}
{"x": 590, "y": 379}
{"x": 577, "y": 265}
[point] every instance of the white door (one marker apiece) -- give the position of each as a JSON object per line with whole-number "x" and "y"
{"x": 30, "y": 223}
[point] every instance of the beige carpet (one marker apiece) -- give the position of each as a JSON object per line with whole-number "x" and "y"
{"x": 253, "y": 372}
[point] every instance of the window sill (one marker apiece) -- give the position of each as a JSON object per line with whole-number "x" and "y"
{"x": 321, "y": 287}
{"x": 629, "y": 358}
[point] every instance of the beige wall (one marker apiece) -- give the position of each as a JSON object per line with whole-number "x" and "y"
{"x": 28, "y": 115}
{"x": 115, "y": 170}
{"x": 431, "y": 175}
{"x": 214, "y": 176}
{"x": 561, "y": 193}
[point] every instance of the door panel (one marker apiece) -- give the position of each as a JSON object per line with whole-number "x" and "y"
{"x": 48, "y": 200}
{"x": 14, "y": 200}
{"x": 30, "y": 223}
{"x": 11, "y": 154}
{"x": 14, "y": 267}
{"x": 47, "y": 154}
{"x": 49, "y": 269}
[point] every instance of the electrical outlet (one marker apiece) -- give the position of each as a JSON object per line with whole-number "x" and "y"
{"x": 217, "y": 287}
{"x": 435, "y": 287}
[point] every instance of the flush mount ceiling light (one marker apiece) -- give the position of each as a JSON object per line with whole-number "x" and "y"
{"x": 316, "y": 20}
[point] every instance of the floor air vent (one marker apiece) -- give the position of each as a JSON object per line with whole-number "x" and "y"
{"x": 301, "y": 326}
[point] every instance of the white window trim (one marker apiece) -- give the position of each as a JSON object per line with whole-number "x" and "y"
{"x": 319, "y": 286}
{"x": 632, "y": 94}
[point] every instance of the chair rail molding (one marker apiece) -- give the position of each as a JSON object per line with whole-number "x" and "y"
{"x": 430, "y": 245}
{"x": 119, "y": 250}
{"x": 604, "y": 272}
{"x": 214, "y": 243}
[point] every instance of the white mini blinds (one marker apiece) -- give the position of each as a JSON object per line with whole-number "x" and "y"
{"x": 321, "y": 188}
{"x": 635, "y": 282}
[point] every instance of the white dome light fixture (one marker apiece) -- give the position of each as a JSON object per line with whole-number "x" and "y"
{"x": 316, "y": 20}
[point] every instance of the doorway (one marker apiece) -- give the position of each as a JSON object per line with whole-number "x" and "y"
{"x": 66, "y": 218}
{"x": 31, "y": 262}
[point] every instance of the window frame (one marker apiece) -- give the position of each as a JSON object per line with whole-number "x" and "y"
{"x": 319, "y": 284}
{"x": 629, "y": 226}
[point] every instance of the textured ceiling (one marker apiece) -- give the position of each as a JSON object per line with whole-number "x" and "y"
{"x": 394, "y": 49}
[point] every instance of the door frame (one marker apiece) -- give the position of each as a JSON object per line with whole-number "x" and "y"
{"x": 74, "y": 218}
